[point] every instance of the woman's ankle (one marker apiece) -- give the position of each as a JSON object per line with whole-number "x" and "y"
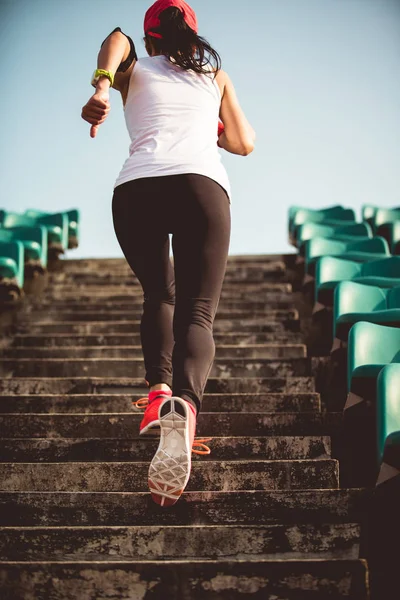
{"x": 160, "y": 387}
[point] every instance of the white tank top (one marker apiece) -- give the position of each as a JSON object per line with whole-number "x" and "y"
{"x": 172, "y": 119}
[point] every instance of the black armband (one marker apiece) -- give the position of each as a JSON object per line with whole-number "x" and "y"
{"x": 132, "y": 54}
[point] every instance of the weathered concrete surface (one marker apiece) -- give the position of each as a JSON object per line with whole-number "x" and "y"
{"x": 205, "y": 475}
{"x": 106, "y": 403}
{"x": 126, "y": 385}
{"x": 223, "y": 351}
{"x": 73, "y": 469}
{"x": 116, "y": 449}
{"x": 122, "y": 367}
{"x": 205, "y": 507}
{"x": 126, "y": 425}
{"x": 152, "y": 542}
{"x": 248, "y": 325}
{"x": 126, "y": 339}
{"x": 180, "y": 580}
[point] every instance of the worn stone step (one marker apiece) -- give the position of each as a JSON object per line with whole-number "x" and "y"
{"x": 205, "y": 507}
{"x": 108, "y": 315}
{"x": 114, "y": 449}
{"x": 132, "y": 326}
{"x": 222, "y": 351}
{"x": 110, "y": 263}
{"x": 130, "y": 303}
{"x": 234, "y": 274}
{"x": 205, "y": 475}
{"x": 136, "y": 385}
{"x": 180, "y": 580}
{"x": 120, "y": 367}
{"x": 120, "y": 425}
{"x": 100, "y": 403}
{"x": 123, "y": 339}
{"x": 152, "y": 542}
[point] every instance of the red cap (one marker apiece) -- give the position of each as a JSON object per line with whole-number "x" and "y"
{"x": 152, "y": 20}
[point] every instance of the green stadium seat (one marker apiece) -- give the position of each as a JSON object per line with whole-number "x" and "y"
{"x": 73, "y": 223}
{"x": 329, "y": 211}
{"x": 329, "y": 271}
{"x": 376, "y": 215}
{"x": 57, "y": 228}
{"x": 34, "y": 240}
{"x": 360, "y": 251}
{"x": 11, "y": 270}
{"x": 354, "y": 302}
{"x": 388, "y": 422}
{"x": 337, "y": 216}
{"x": 351, "y": 232}
{"x": 391, "y": 233}
{"x": 370, "y": 348}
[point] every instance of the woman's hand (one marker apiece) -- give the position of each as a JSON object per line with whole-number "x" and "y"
{"x": 96, "y": 110}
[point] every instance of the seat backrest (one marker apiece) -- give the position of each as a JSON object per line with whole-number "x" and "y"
{"x": 383, "y": 267}
{"x": 6, "y": 235}
{"x": 330, "y": 268}
{"x": 351, "y": 297}
{"x": 370, "y": 344}
{"x": 386, "y": 215}
{"x": 393, "y": 298}
{"x": 16, "y": 220}
{"x": 387, "y": 406}
{"x": 307, "y": 216}
{"x": 329, "y": 210}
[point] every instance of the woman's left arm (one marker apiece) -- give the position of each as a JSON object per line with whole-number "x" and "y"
{"x": 114, "y": 51}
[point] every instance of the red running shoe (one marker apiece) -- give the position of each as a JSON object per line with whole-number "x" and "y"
{"x": 150, "y": 423}
{"x": 170, "y": 468}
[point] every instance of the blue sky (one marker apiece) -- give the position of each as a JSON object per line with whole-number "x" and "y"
{"x": 318, "y": 80}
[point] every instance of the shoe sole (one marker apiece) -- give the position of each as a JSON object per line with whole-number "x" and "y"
{"x": 169, "y": 470}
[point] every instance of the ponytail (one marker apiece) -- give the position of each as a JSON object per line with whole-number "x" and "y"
{"x": 180, "y": 43}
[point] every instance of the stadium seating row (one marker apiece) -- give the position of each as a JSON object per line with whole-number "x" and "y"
{"x": 356, "y": 278}
{"x": 28, "y": 241}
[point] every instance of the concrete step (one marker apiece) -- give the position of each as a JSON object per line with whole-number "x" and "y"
{"x": 152, "y": 542}
{"x": 131, "y": 303}
{"x": 262, "y": 292}
{"x": 205, "y": 475}
{"x": 128, "y": 351}
{"x": 122, "y": 403}
{"x": 234, "y": 274}
{"x": 255, "y": 507}
{"x": 246, "y": 326}
{"x": 181, "y": 580}
{"x": 121, "y": 367}
{"x": 131, "y": 315}
{"x": 136, "y": 385}
{"x": 114, "y": 449}
{"x": 126, "y": 339}
{"x": 120, "y": 425}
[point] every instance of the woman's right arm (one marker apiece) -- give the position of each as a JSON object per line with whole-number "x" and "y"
{"x": 238, "y": 136}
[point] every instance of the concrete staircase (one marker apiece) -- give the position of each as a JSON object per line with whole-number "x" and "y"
{"x": 262, "y": 517}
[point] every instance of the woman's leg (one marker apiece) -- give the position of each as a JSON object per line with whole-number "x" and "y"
{"x": 201, "y": 236}
{"x": 138, "y": 209}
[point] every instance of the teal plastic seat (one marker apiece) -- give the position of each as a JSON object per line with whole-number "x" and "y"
{"x": 73, "y": 223}
{"x": 355, "y": 302}
{"x": 388, "y": 421}
{"x": 34, "y": 240}
{"x": 337, "y": 216}
{"x": 370, "y": 348}
{"x": 330, "y": 271}
{"x": 329, "y": 212}
{"x": 361, "y": 251}
{"x": 56, "y": 225}
{"x": 391, "y": 233}
{"x": 352, "y": 232}
{"x": 12, "y": 264}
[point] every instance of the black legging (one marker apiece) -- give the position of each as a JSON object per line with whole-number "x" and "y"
{"x": 178, "y": 344}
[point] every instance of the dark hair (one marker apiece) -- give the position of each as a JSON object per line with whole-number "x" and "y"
{"x": 181, "y": 43}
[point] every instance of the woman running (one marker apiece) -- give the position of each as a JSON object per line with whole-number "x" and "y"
{"x": 173, "y": 182}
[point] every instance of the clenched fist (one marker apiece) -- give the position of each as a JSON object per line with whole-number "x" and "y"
{"x": 96, "y": 110}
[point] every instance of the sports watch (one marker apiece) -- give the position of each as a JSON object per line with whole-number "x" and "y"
{"x": 102, "y": 73}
